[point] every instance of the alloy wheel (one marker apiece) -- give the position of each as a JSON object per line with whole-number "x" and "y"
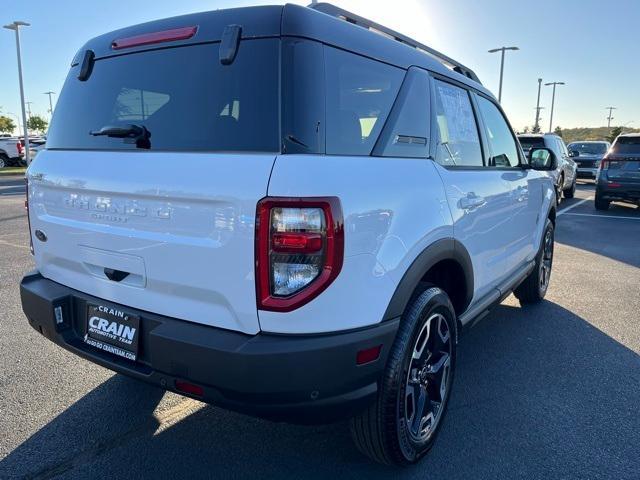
{"x": 428, "y": 378}
{"x": 546, "y": 261}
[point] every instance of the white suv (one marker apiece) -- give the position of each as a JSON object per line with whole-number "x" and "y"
{"x": 283, "y": 213}
{"x": 566, "y": 173}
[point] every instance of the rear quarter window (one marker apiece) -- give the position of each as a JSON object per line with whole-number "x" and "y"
{"x": 359, "y": 95}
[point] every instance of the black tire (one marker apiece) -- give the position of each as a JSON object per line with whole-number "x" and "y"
{"x": 559, "y": 189}
{"x": 534, "y": 287}
{"x": 383, "y": 432}
{"x": 600, "y": 203}
{"x": 4, "y": 160}
{"x": 571, "y": 191}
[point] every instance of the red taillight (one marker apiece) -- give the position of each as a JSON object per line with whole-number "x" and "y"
{"x": 299, "y": 250}
{"x": 19, "y": 147}
{"x": 190, "y": 388}
{"x": 613, "y": 184}
{"x": 604, "y": 164}
{"x": 296, "y": 242}
{"x": 155, "y": 37}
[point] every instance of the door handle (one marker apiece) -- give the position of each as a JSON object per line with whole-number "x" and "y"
{"x": 471, "y": 201}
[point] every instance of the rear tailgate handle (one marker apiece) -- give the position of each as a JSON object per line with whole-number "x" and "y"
{"x": 115, "y": 275}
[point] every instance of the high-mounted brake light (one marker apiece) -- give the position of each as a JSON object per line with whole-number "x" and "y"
{"x": 299, "y": 250}
{"x": 155, "y": 37}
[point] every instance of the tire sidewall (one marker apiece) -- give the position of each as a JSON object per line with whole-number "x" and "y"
{"x": 548, "y": 226}
{"x": 432, "y": 300}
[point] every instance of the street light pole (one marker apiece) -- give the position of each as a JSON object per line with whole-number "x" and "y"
{"x": 501, "y": 49}
{"x": 536, "y": 125}
{"x": 15, "y": 26}
{"x": 609, "y": 118}
{"x": 553, "y": 101}
{"x": 50, "y": 102}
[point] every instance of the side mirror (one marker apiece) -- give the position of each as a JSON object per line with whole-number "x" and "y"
{"x": 574, "y": 153}
{"x": 542, "y": 159}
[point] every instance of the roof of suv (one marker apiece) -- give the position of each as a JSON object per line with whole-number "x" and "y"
{"x": 629, "y": 135}
{"x": 271, "y": 21}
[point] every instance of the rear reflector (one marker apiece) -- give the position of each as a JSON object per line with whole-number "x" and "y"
{"x": 155, "y": 37}
{"x": 369, "y": 355}
{"x": 189, "y": 388}
{"x": 613, "y": 184}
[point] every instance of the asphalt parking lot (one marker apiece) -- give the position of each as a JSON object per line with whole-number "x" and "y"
{"x": 549, "y": 391}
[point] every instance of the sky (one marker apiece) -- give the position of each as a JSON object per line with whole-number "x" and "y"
{"x": 591, "y": 45}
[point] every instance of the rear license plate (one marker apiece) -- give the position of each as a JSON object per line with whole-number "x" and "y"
{"x": 113, "y": 331}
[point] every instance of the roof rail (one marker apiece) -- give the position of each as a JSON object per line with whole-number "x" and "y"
{"x": 449, "y": 62}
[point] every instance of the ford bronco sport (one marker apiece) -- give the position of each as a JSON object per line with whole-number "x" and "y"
{"x": 283, "y": 213}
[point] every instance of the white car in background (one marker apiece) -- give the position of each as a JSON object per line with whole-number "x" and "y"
{"x": 567, "y": 171}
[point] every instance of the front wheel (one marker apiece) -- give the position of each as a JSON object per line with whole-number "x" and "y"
{"x": 402, "y": 424}
{"x": 559, "y": 189}
{"x": 571, "y": 191}
{"x": 534, "y": 287}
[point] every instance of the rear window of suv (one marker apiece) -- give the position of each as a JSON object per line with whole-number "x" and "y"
{"x": 627, "y": 145}
{"x": 183, "y": 96}
{"x": 530, "y": 142}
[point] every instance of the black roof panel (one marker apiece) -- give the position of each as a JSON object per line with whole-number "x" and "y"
{"x": 290, "y": 20}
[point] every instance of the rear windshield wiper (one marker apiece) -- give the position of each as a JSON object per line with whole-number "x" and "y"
{"x": 134, "y": 133}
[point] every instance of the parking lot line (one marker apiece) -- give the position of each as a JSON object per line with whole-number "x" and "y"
{"x": 562, "y": 212}
{"x": 602, "y": 216}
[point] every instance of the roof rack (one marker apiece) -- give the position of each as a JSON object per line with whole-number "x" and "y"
{"x": 449, "y": 62}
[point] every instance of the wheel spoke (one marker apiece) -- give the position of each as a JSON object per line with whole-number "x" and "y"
{"x": 423, "y": 338}
{"x": 421, "y": 404}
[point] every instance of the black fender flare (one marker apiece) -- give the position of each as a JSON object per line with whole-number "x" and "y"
{"x": 443, "y": 249}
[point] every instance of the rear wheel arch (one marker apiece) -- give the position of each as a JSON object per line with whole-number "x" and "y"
{"x": 445, "y": 264}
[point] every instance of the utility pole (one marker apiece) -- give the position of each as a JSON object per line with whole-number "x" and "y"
{"x": 536, "y": 124}
{"x": 50, "y": 102}
{"x": 553, "y": 101}
{"x": 610, "y": 117}
{"x": 501, "y": 49}
{"x": 15, "y": 26}
{"x": 28, "y": 104}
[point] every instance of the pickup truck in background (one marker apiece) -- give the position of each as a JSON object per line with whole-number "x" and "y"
{"x": 12, "y": 150}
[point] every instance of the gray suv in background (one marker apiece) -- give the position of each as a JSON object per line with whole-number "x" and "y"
{"x": 565, "y": 174}
{"x": 588, "y": 156}
{"x": 619, "y": 174}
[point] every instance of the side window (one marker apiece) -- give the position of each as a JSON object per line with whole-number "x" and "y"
{"x": 458, "y": 141}
{"x": 504, "y": 150}
{"x": 360, "y": 93}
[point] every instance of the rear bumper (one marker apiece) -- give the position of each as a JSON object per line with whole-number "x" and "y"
{"x": 587, "y": 172}
{"x": 306, "y": 379}
{"x": 626, "y": 193}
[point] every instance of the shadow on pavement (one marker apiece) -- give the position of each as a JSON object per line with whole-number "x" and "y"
{"x": 539, "y": 393}
{"x": 613, "y": 238}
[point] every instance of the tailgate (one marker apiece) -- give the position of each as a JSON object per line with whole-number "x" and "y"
{"x": 179, "y": 225}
